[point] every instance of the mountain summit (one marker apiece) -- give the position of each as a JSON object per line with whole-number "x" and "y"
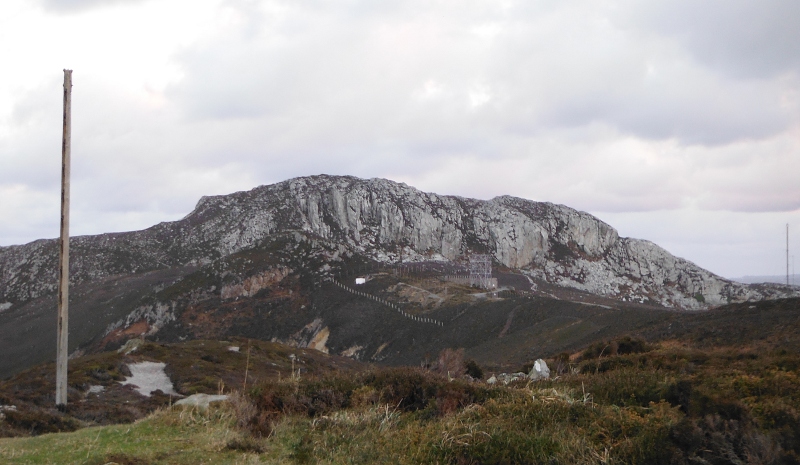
{"x": 389, "y": 222}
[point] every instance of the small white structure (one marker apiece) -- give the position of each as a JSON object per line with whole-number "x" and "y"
{"x": 361, "y": 281}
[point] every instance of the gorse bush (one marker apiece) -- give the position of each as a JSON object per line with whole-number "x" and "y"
{"x": 35, "y": 422}
{"x": 451, "y": 362}
{"x": 406, "y": 389}
{"x": 621, "y": 346}
{"x": 473, "y": 369}
{"x": 638, "y": 403}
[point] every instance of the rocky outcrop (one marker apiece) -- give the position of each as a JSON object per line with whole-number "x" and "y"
{"x": 390, "y": 222}
{"x": 311, "y": 336}
{"x": 253, "y": 284}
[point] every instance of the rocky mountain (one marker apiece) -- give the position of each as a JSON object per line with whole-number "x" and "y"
{"x": 389, "y": 222}
{"x": 260, "y": 264}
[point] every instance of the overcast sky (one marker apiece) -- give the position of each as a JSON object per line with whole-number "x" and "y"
{"x": 674, "y": 121}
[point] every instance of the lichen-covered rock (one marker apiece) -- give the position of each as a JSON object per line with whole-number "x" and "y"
{"x": 390, "y": 222}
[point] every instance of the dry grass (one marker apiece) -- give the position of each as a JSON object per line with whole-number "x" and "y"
{"x": 643, "y": 404}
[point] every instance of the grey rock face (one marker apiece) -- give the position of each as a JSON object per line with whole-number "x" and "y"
{"x": 391, "y": 222}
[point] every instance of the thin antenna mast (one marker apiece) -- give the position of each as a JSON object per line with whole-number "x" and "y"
{"x": 787, "y": 254}
{"x": 63, "y": 258}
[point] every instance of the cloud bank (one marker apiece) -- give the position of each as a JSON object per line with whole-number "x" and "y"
{"x": 663, "y": 111}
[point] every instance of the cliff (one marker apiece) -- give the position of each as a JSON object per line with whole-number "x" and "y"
{"x": 387, "y": 222}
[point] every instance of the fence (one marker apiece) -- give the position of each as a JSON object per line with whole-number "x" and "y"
{"x": 399, "y": 310}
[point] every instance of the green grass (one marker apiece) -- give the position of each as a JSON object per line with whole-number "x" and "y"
{"x": 194, "y": 366}
{"x": 523, "y": 426}
{"x": 622, "y": 402}
{"x": 173, "y": 436}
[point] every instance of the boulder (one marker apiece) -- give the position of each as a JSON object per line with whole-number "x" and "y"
{"x": 539, "y": 371}
{"x": 201, "y": 400}
{"x": 130, "y": 346}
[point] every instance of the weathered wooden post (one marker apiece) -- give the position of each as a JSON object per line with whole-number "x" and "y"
{"x": 62, "y": 350}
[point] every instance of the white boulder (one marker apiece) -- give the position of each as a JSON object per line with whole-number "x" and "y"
{"x": 201, "y": 400}
{"x": 539, "y": 371}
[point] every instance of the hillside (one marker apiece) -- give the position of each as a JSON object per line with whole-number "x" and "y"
{"x": 714, "y": 390}
{"x": 265, "y": 264}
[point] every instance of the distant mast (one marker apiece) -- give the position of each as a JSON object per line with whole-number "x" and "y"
{"x": 787, "y": 254}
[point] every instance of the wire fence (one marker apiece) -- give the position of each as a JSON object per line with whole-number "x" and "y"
{"x": 391, "y": 305}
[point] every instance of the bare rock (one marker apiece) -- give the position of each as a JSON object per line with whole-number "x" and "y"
{"x": 539, "y": 371}
{"x": 386, "y": 220}
{"x": 202, "y": 401}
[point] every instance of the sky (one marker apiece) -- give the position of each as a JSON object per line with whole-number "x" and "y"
{"x": 673, "y": 121}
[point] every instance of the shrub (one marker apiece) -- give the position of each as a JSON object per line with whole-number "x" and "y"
{"x": 627, "y": 387}
{"x": 364, "y": 396}
{"x": 406, "y": 389}
{"x": 679, "y": 394}
{"x": 244, "y": 409}
{"x": 621, "y": 346}
{"x": 39, "y": 421}
{"x": 473, "y": 369}
{"x": 245, "y": 443}
{"x": 561, "y": 363}
{"x": 629, "y": 345}
{"x": 451, "y": 362}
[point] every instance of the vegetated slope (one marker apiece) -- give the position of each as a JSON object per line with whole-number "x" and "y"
{"x": 97, "y": 397}
{"x": 685, "y": 400}
{"x": 770, "y": 323}
{"x": 27, "y": 332}
{"x": 259, "y": 263}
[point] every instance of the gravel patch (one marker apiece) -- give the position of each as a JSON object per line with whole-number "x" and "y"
{"x": 147, "y": 377}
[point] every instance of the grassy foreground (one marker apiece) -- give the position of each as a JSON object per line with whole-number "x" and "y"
{"x": 179, "y": 436}
{"x": 520, "y": 426}
{"x": 623, "y": 401}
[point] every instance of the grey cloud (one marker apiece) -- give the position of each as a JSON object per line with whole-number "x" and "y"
{"x": 76, "y": 6}
{"x": 744, "y": 38}
{"x": 569, "y": 71}
{"x": 546, "y": 67}
{"x": 333, "y": 91}
{"x": 33, "y": 154}
{"x": 702, "y": 114}
{"x": 576, "y": 104}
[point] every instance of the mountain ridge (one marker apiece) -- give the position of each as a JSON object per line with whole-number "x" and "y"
{"x": 390, "y": 222}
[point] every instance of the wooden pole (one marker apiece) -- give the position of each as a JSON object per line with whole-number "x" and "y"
{"x": 62, "y": 350}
